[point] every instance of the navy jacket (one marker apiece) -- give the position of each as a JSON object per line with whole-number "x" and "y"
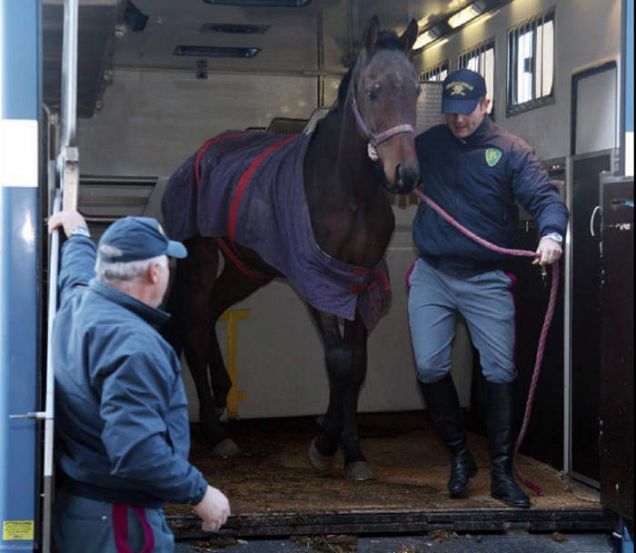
{"x": 122, "y": 431}
{"x": 477, "y": 181}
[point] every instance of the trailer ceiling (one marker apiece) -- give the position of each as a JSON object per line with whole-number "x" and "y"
{"x": 315, "y": 39}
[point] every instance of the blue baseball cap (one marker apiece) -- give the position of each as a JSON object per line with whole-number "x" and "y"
{"x": 137, "y": 238}
{"x": 462, "y": 90}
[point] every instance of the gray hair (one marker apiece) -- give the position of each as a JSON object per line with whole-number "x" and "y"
{"x": 125, "y": 271}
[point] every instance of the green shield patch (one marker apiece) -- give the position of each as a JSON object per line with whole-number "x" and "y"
{"x": 493, "y": 155}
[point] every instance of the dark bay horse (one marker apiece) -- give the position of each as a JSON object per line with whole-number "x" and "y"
{"x": 360, "y": 153}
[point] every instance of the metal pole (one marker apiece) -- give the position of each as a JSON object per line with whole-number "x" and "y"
{"x": 68, "y": 162}
{"x": 49, "y": 404}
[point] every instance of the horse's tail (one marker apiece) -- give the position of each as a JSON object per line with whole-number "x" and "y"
{"x": 172, "y": 330}
{"x": 178, "y": 200}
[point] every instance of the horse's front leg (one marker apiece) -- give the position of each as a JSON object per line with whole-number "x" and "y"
{"x": 346, "y": 367}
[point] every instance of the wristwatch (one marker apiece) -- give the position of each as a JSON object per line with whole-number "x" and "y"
{"x": 80, "y": 231}
{"x": 555, "y": 236}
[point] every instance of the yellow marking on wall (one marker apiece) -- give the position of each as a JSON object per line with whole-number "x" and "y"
{"x": 18, "y": 530}
{"x": 232, "y": 317}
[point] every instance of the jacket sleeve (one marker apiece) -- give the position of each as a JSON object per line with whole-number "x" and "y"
{"x": 536, "y": 193}
{"x": 136, "y": 395}
{"x": 77, "y": 265}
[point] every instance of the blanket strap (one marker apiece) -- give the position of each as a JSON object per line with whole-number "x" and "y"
{"x": 378, "y": 277}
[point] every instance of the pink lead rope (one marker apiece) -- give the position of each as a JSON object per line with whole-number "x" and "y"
{"x": 549, "y": 314}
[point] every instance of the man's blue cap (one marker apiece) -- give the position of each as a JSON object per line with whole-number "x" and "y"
{"x": 462, "y": 90}
{"x": 135, "y": 239}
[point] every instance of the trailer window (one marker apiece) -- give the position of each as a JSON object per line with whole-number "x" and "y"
{"x": 436, "y": 73}
{"x": 531, "y": 64}
{"x": 482, "y": 60}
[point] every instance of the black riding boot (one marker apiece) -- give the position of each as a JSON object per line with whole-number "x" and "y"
{"x": 501, "y": 440}
{"x": 446, "y": 414}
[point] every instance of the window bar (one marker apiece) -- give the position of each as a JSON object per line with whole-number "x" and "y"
{"x": 530, "y": 50}
{"x": 510, "y": 77}
{"x": 542, "y": 58}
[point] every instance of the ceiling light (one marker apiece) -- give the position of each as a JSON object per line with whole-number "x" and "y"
{"x": 464, "y": 16}
{"x": 216, "y": 51}
{"x": 261, "y": 3}
{"x": 425, "y": 38}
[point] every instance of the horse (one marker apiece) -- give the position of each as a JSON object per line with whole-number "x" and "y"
{"x": 360, "y": 153}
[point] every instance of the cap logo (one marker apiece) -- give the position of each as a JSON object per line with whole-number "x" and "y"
{"x": 459, "y": 88}
{"x": 160, "y": 228}
{"x": 493, "y": 155}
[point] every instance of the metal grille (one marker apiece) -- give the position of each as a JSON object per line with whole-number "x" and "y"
{"x": 481, "y": 59}
{"x": 437, "y": 73}
{"x": 531, "y": 63}
{"x": 286, "y": 125}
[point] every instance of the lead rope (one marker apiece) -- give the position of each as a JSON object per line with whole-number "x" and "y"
{"x": 549, "y": 314}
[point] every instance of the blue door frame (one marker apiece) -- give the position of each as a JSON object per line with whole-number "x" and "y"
{"x": 20, "y": 239}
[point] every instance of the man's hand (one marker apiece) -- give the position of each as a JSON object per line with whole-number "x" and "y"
{"x": 213, "y": 509}
{"x": 68, "y": 220}
{"x": 548, "y": 252}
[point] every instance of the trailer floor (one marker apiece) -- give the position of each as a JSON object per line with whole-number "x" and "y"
{"x": 508, "y": 543}
{"x": 274, "y": 491}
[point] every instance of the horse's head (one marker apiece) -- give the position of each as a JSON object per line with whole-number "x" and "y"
{"x": 384, "y": 97}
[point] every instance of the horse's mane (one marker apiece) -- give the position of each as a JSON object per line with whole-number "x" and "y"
{"x": 387, "y": 40}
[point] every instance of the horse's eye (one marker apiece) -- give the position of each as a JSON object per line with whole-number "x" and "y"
{"x": 373, "y": 94}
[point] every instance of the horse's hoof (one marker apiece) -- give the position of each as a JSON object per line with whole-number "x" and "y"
{"x": 319, "y": 461}
{"x": 358, "y": 471}
{"x": 222, "y": 414}
{"x": 226, "y": 448}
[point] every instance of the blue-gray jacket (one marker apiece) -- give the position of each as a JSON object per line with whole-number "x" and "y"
{"x": 477, "y": 180}
{"x": 122, "y": 432}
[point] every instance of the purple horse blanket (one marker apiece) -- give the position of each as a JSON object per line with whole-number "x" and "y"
{"x": 248, "y": 186}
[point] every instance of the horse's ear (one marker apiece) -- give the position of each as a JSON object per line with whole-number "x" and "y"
{"x": 371, "y": 33}
{"x": 410, "y": 36}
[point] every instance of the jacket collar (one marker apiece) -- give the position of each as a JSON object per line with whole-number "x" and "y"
{"x": 481, "y": 133}
{"x": 154, "y": 317}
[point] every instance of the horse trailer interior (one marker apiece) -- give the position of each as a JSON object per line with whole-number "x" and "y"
{"x": 110, "y": 97}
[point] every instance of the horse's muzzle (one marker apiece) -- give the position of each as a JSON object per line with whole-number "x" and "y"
{"x": 406, "y": 179}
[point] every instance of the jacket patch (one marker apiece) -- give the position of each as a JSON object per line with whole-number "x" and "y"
{"x": 493, "y": 155}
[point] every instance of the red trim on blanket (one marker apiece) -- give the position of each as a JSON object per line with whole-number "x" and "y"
{"x": 120, "y": 528}
{"x": 225, "y": 246}
{"x": 245, "y": 180}
{"x": 204, "y": 147}
{"x": 229, "y": 252}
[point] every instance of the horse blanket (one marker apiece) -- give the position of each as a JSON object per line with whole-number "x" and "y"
{"x": 248, "y": 186}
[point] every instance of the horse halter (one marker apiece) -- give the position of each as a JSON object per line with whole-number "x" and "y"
{"x": 375, "y": 139}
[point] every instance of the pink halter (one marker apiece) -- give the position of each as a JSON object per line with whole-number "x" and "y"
{"x": 375, "y": 139}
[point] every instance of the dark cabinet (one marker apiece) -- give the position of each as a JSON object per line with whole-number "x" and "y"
{"x": 583, "y": 310}
{"x": 617, "y": 346}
